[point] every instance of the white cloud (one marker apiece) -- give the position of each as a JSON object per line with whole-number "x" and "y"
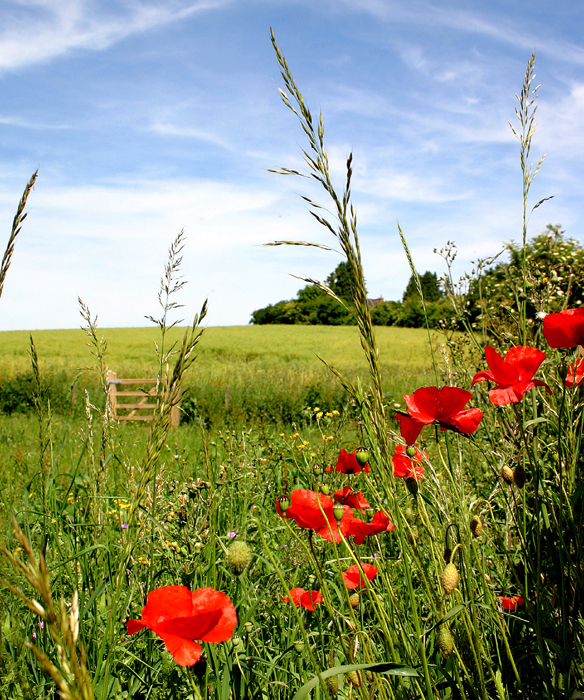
{"x": 165, "y": 129}
{"x": 108, "y": 245}
{"x": 561, "y": 125}
{"x": 39, "y": 30}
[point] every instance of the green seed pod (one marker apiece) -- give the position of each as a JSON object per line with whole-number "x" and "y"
{"x": 299, "y": 646}
{"x": 317, "y": 469}
{"x": 324, "y": 488}
{"x": 362, "y": 456}
{"x": 410, "y": 451}
{"x": 238, "y": 557}
{"x": 284, "y": 503}
{"x": 338, "y": 511}
{"x": 249, "y": 626}
{"x": 445, "y": 642}
{"x": 236, "y": 644}
{"x": 449, "y": 578}
{"x": 332, "y": 684}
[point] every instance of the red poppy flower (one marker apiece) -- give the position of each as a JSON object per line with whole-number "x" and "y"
{"x": 304, "y": 599}
{"x": 353, "y": 578}
{"x": 513, "y": 374}
{"x": 306, "y": 512}
{"x": 347, "y": 464}
{"x": 180, "y": 617}
{"x": 347, "y": 497}
{"x": 404, "y": 466}
{"x": 575, "y": 375}
{"x": 511, "y": 603}
{"x": 443, "y": 406}
{"x": 564, "y": 330}
{"x": 360, "y": 530}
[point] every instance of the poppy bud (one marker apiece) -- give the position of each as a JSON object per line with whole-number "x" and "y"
{"x": 324, "y": 488}
{"x": 449, "y": 578}
{"x": 238, "y": 557}
{"x": 445, "y": 642}
{"x": 299, "y": 646}
{"x": 338, "y": 511}
{"x": 476, "y": 526}
{"x": 284, "y": 503}
{"x": 355, "y": 678}
{"x": 354, "y": 600}
{"x": 362, "y": 456}
{"x": 519, "y": 476}
{"x": 410, "y": 451}
{"x": 317, "y": 469}
{"x": 409, "y": 513}
{"x": 562, "y": 371}
{"x": 507, "y": 474}
{"x": 412, "y": 485}
{"x": 200, "y": 668}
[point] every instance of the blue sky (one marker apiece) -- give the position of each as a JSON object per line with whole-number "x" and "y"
{"x": 148, "y": 116}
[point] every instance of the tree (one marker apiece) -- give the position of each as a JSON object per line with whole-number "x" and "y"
{"x": 313, "y": 306}
{"x": 430, "y": 288}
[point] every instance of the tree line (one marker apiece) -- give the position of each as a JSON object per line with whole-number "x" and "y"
{"x": 489, "y": 291}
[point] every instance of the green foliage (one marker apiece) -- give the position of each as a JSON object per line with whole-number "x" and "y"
{"x": 554, "y": 280}
{"x": 313, "y": 305}
{"x": 430, "y": 288}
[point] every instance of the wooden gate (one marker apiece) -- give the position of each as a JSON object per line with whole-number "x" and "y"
{"x": 135, "y": 410}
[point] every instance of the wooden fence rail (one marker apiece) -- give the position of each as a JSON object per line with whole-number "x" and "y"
{"x": 138, "y": 410}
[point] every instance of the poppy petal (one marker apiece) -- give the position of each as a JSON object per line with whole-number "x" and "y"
{"x": 527, "y": 361}
{"x": 134, "y": 626}
{"x": 410, "y": 428}
{"x": 184, "y": 651}
{"x": 208, "y": 599}
{"x": 165, "y": 603}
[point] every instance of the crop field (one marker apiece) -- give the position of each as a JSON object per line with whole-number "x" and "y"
{"x": 228, "y": 350}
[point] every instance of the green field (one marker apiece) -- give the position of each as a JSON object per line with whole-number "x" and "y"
{"x": 131, "y": 350}
{"x": 241, "y": 372}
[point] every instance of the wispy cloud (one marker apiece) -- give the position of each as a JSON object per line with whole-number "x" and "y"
{"x": 483, "y": 23}
{"x": 39, "y": 30}
{"x": 165, "y": 129}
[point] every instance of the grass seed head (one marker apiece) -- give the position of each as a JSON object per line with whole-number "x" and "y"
{"x": 449, "y": 578}
{"x": 238, "y": 557}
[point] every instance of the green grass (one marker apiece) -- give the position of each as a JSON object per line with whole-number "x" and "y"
{"x": 241, "y": 372}
{"x": 222, "y": 349}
